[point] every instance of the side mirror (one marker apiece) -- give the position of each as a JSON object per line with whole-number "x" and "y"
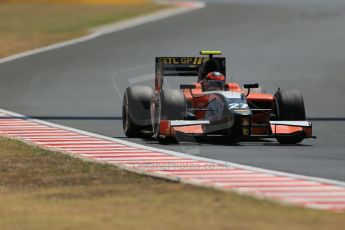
{"x": 187, "y": 86}
{"x": 251, "y": 86}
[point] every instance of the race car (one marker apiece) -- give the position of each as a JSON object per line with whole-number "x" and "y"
{"x": 211, "y": 106}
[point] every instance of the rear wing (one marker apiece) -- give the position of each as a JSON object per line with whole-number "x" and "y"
{"x": 186, "y": 67}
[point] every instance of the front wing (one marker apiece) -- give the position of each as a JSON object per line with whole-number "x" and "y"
{"x": 171, "y": 128}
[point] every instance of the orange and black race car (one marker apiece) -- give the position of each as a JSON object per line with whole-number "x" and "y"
{"x": 211, "y": 106}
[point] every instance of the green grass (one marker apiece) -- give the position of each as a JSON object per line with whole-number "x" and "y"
{"x": 25, "y": 26}
{"x": 41, "y": 189}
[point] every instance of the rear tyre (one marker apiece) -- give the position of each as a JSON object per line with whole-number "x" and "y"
{"x": 171, "y": 105}
{"x": 136, "y": 117}
{"x": 290, "y": 107}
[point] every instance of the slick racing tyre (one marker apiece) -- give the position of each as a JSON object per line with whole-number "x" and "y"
{"x": 170, "y": 105}
{"x": 173, "y": 105}
{"x": 136, "y": 118}
{"x": 290, "y": 107}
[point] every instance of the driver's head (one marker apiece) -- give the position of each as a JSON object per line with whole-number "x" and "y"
{"x": 213, "y": 81}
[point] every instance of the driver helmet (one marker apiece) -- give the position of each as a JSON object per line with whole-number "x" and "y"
{"x": 214, "y": 81}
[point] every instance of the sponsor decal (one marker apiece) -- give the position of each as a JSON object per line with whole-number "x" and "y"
{"x": 182, "y": 60}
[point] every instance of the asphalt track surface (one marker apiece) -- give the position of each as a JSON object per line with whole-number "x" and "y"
{"x": 287, "y": 44}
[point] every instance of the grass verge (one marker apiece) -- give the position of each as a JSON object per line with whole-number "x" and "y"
{"x": 40, "y": 189}
{"x": 25, "y": 26}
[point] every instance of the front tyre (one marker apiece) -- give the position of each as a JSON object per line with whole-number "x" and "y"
{"x": 136, "y": 118}
{"x": 290, "y": 107}
{"x": 173, "y": 105}
{"x": 170, "y": 105}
